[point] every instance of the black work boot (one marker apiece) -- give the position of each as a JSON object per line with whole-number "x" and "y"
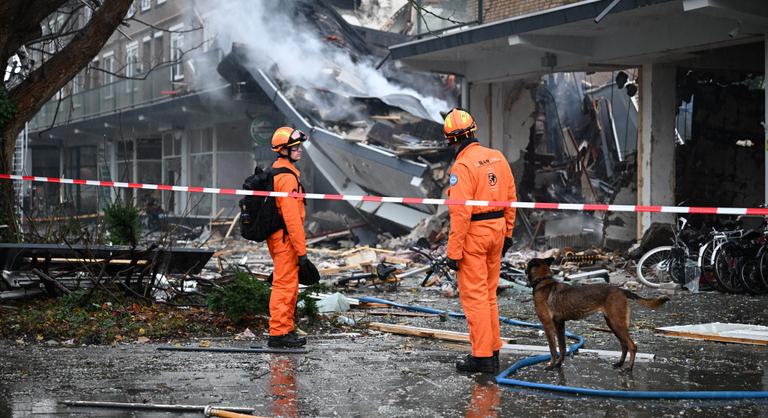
{"x": 476, "y": 364}
{"x": 290, "y": 340}
{"x": 496, "y": 360}
{"x": 302, "y": 340}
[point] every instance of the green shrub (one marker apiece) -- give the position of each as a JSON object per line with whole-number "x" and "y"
{"x": 122, "y": 221}
{"x": 309, "y": 305}
{"x": 244, "y": 296}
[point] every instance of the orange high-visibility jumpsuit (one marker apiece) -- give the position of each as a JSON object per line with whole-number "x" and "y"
{"x": 285, "y": 251}
{"x": 480, "y": 173}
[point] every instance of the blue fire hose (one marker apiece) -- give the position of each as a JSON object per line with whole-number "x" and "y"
{"x": 640, "y": 394}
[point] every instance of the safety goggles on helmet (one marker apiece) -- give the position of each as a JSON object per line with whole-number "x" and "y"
{"x": 280, "y": 140}
{"x": 458, "y": 122}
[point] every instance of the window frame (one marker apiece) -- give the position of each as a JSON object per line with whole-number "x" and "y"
{"x": 176, "y": 53}
{"x": 131, "y": 67}
{"x": 109, "y": 79}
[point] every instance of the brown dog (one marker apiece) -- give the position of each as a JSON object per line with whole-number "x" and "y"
{"x": 556, "y": 303}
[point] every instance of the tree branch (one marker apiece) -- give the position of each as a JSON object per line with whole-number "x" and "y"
{"x": 158, "y": 28}
{"x": 419, "y": 8}
{"x": 152, "y": 68}
{"x": 30, "y": 95}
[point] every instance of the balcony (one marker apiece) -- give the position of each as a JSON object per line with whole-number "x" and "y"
{"x": 199, "y": 74}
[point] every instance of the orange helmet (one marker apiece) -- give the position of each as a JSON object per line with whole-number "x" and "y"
{"x": 458, "y": 122}
{"x": 286, "y": 136}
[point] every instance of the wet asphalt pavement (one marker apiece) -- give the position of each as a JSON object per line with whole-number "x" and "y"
{"x": 378, "y": 374}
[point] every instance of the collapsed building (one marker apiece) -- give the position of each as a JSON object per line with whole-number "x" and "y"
{"x": 571, "y": 137}
{"x": 695, "y": 69}
{"x": 208, "y": 121}
{"x": 387, "y": 145}
{"x": 184, "y": 124}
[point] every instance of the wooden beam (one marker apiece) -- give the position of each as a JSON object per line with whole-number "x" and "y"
{"x": 402, "y": 313}
{"x": 425, "y": 332}
{"x": 507, "y": 347}
{"x": 718, "y": 338}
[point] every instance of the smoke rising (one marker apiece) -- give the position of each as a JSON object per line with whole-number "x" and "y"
{"x": 283, "y": 42}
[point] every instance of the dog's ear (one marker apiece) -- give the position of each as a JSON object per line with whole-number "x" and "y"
{"x": 531, "y": 264}
{"x": 549, "y": 260}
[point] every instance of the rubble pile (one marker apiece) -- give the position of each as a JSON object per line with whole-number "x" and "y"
{"x": 579, "y": 151}
{"x": 375, "y": 127}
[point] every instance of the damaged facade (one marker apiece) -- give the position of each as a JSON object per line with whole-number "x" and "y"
{"x": 699, "y": 96}
{"x": 580, "y": 116}
{"x": 206, "y": 119}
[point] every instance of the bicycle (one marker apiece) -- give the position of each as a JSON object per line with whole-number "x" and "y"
{"x": 736, "y": 260}
{"x": 437, "y": 270}
{"x": 668, "y": 263}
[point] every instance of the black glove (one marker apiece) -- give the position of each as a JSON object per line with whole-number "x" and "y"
{"x": 507, "y": 245}
{"x": 303, "y": 261}
{"x": 452, "y": 264}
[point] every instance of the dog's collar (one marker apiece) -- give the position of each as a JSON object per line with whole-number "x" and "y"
{"x": 544, "y": 282}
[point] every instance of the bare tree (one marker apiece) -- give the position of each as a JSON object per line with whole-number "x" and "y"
{"x": 21, "y": 27}
{"x": 65, "y": 35}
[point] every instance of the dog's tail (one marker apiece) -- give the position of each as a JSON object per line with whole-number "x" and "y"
{"x": 651, "y": 303}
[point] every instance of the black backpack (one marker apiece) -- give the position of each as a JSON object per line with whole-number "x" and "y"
{"x": 259, "y": 217}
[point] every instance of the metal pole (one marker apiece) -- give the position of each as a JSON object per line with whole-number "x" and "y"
{"x": 606, "y": 11}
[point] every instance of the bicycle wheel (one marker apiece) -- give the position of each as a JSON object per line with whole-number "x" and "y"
{"x": 726, "y": 268}
{"x": 749, "y": 275}
{"x": 763, "y": 263}
{"x": 654, "y": 267}
{"x": 706, "y": 255}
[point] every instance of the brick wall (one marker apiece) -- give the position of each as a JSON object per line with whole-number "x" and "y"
{"x": 503, "y": 9}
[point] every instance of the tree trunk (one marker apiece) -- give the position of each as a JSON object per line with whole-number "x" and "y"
{"x": 32, "y": 93}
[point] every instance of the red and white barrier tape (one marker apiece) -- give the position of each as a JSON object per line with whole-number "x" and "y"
{"x": 407, "y": 200}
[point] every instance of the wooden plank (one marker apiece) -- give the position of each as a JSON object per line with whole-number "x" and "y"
{"x": 464, "y": 337}
{"x": 386, "y": 117}
{"x": 321, "y": 238}
{"x": 335, "y": 270}
{"x": 369, "y": 305}
{"x": 718, "y": 338}
{"x": 402, "y": 313}
{"x": 425, "y": 332}
{"x": 232, "y": 225}
{"x": 397, "y": 260}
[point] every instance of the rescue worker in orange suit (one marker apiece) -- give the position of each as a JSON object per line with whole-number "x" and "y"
{"x": 479, "y": 236}
{"x": 287, "y": 247}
